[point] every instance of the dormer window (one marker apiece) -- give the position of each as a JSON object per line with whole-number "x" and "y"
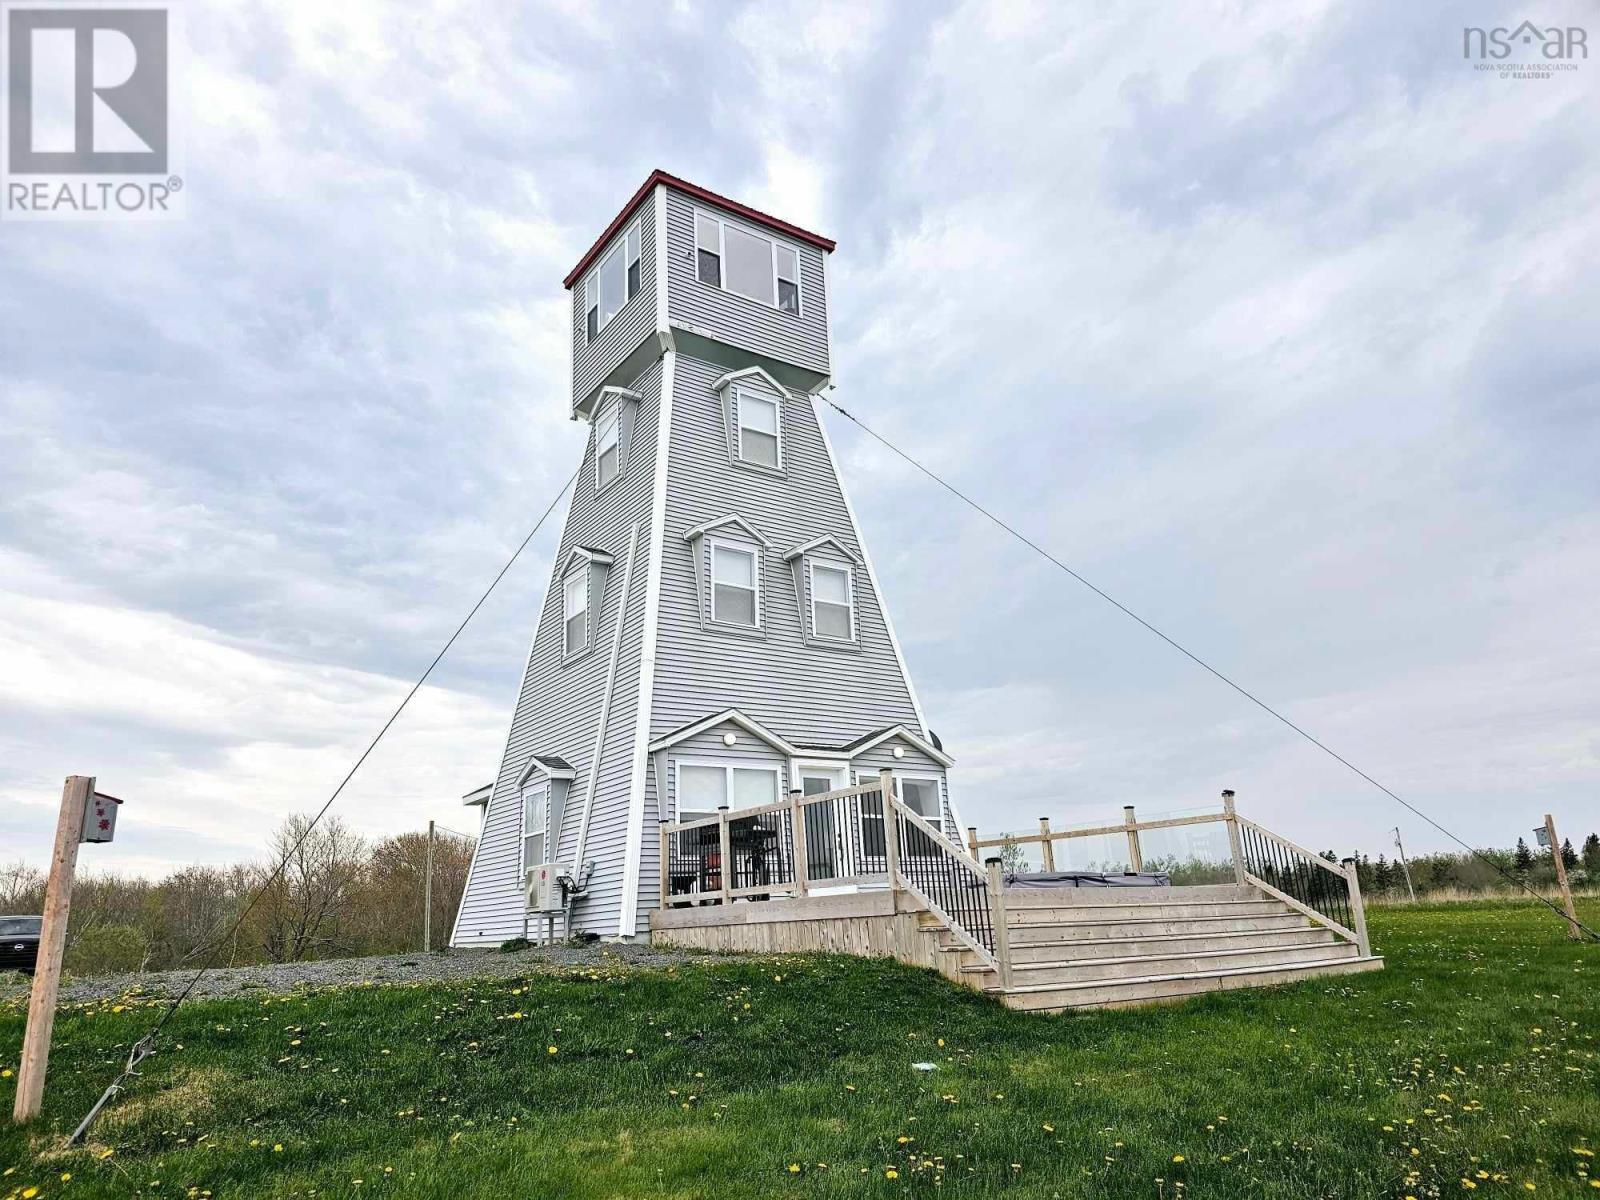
{"x": 613, "y": 283}
{"x": 735, "y": 590}
{"x": 608, "y": 446}
{"x": 833, "y": 610}
{"x": 760, "y": 429}
{"x": 737, "y": 259}
{"x": 575, "y": 610}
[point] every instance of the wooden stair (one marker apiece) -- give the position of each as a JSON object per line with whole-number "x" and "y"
{"x": 1117, "y": 947}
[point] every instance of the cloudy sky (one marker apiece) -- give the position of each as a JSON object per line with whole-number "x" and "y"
{"x": 1278, "y": 321}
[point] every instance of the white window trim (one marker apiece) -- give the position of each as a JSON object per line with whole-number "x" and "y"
{"x": 522, "y": 832}
{"x": 738, "y": 427}
{"x": 591, "y": 283}
{"x": 773, "y": 242}
{"x": 711, "y": 579}
{"x": 581, "y": 573}
{"x": 775, "y": 765}
{"x": 937, "y": 820}
{"x": 849, "y": 594}
{"x": 614, "y": 414}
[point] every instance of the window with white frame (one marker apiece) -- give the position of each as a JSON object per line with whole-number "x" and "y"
{"x": 921, "y": 795}
{"x": 704, "y": 787}
{"x": 608, "y": 446}
{"x": 613, "y": 283}
{"x": 760, "y": 424}
{"x": 575, "y": 612}
{"x": 735, "y": 585}
{"x": 833, "y": 613}
{"x": 738, "y": 259}
{"x": 535, "y": 808}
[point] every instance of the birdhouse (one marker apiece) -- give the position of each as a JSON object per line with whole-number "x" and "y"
{"x": 100, "y": 820}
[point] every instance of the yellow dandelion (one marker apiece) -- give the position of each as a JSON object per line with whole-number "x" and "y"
{"x": 891, "y": 1173}
{"x": 550, "y": 1050}
{"x": 5, "y": 1072}
{"x": 1049, "y": 1128}
{"x": 1177, "y": 1158}
{"x": 66, "y": 1177}
{"x": 29, "y": 1192}
{"x": 277, "y": 1147}
{"x": 794, "y": 1168}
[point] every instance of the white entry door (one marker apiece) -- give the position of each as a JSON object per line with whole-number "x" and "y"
{"x": 824, "y": 846}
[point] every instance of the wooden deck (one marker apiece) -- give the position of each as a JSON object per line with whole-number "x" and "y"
{"x": 744, "y": 880}
{"x": 1076, "y": 948}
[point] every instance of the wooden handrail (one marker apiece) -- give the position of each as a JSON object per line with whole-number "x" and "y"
{"x": 1057, "y": 835}
{"x": 1300, "y": 850}
{"x": 763, "y": 810}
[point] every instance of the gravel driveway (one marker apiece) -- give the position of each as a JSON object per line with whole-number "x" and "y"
{"x": 392, "y": 968}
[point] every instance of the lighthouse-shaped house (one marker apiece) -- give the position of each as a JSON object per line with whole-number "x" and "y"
{"x": 713, "y": 633}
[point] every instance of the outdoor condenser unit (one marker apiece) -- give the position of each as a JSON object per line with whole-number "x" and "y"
{"x": 542, "y": 887}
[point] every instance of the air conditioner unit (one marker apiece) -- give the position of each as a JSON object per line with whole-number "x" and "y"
{"x": 542, "y": 888}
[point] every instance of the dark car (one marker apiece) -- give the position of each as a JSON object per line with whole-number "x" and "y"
{"x": 19, "y": 943}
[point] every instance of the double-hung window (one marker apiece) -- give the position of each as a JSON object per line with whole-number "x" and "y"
{"x": 735, "y": 586}
{"x": 575, "y": 612}
{"x": 535, "y": 806}
{"x": 608, "y": 446}
{"x": 737, "y": 259}
{"x": 921, "y": 796}
{"x": 760, "y": 428}
{"x": 832, "y": 604}
{"x": 612, "y": 284}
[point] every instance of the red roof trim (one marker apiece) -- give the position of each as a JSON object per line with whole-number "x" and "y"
{"x": 699, "y": 193}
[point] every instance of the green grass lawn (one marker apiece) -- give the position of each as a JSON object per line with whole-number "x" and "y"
{"x": 1470, "y": 1065}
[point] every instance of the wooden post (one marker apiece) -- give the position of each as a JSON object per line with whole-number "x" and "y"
{"x": 427, "y": 895}
{"x": 797, "y": 830}
{"x": 666, "y": 858}
{"x": 1135, "y": 858}
{"x": 1048, "y": 850}
{"x": 52, "y": 944}
{"x": 891, "y": 829}
{"x": 1358, "y": 911}
{"x": 1234, "y": 847}
{"x": 1561, "y": 878}
{"x": 725, "y": 851}
{"x": 972, "y": 841}
{"x": 1404, "y": 865}
{"x": 997, "y": 914}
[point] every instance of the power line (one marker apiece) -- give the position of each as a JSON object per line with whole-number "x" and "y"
{"x": 1195, "y": 658}
{"x": 146, "y": 1044}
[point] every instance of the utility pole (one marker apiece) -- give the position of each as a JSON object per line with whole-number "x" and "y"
{"x": 427, "y": 895}
{"x": 52, "y": 943}
{"x": 1561, "y": 878}
{"x": 1404, "y": 865}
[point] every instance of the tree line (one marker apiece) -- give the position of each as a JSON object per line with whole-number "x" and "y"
{"x": 1462, "y": 872}
{"x": 338, "y": 895}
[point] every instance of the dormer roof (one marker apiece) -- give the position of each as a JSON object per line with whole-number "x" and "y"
{"x": 693, "y": 189}
{"x": 587, "y": 555}
{"x": 727, "y": 716}
{"x": 731, "y": 520}
{"x": 818, "y": 543}
{"x": 753, "y": 374}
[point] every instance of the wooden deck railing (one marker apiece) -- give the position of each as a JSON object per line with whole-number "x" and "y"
{"x": 840, "y": 837}
{"x": 1327, "y": 892}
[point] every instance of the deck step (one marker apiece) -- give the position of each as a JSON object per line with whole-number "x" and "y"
{"x": 1045, "y": 897}
{"x": 1134, "y": 910}
{"x": 1139, "y": 966}
{"x": 1141, "y": 927}
{"x": 1154, "y": 989}
{"x": 1026, "y": 950}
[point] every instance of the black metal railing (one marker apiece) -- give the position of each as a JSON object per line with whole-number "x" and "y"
{"x": 946, "y": 879}
{"x": 844, "y": 837}
{"x": 1316, "y": 883}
